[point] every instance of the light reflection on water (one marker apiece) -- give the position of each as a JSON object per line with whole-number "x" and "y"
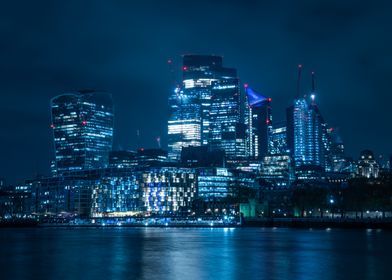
{"x": 210, "y": 253}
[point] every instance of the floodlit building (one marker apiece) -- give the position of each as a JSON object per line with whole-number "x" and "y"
{"x": 167, "y": 190}
{"x": 367, "y": 165}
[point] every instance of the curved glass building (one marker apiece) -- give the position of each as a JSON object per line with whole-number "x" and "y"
{"x": 82, "y": 124}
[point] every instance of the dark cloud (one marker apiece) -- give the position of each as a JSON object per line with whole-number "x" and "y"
{"x": 50, "y": 47}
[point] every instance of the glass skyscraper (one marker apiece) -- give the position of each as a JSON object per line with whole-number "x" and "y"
{"x": 307, "y": 137}
{"x": 207, "y": 88}
{"x": 82, "y": 124}
{"x": 306, "y": 133}
{"x": 259, "y": 123}
{"x": 227, "y": 130}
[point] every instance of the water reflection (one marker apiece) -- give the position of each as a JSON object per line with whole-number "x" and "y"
{"x": 211, "y": 253}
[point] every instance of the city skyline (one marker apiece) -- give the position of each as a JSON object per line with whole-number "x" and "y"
{"x": 26, "y": 139}
{"x": 208, "y": 139}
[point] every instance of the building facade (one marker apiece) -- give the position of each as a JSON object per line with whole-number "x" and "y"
{"x": 278, "y": 139}
{"x": 259, "y": 123}
{"x": 198, "y": 108}
{"x": 82, "y": 124}
{"x": 367, "y": 165}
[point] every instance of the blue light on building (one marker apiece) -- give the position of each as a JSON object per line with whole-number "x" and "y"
{"x": 195, "y": 118}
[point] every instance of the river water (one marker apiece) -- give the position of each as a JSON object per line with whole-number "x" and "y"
{"x": 194, "y": 253}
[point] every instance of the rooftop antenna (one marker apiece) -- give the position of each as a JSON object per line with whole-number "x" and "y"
{"x": 172, "y": 69}
{"x": 159, "y": 141}
{"x": 299, "y": 80}
{"x": 313, "y": 87}
{"x": 313, "y": 92}
{"x": 138, "y": 138}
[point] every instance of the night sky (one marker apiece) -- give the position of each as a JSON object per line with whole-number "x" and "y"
{"x": 123, "y": 47}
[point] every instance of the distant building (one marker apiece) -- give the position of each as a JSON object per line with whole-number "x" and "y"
{"x": 215, "y": 183}
{"x": 278, "y": 139}
{"x": 307, "y": 148}
{"x": 205, "y": 107}
{"x": 114, "y": 191}
{"x": 82, "y": 125}
{"x": 168, "y": 190}
{"x": 15, "y": 201}
{"x": 367, "y": 165}
{"x": 278, "y": 170}
{"x": 162, "y": 190}
{"x": 310, "y": 173}
{"x": 218, "y": 189}
{"x": 122, "y": 159}
{"x": 202, "y": 156}
{"x": 140, "y": 158}
{"x": 227, "y": 130}
{"x": 306, "y": 133}
{"x": 2, "y": 183}
{"x": 337, "y": 161}
{"x": 259, "y": 123}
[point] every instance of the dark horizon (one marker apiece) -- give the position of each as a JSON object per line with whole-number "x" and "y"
{"x": 52, "y": 48}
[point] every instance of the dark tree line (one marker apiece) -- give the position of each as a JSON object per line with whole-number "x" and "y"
{"x": 358, "y": 196}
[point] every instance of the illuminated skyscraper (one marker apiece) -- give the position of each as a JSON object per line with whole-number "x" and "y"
{"x": 189, "y": 122}
{"x": 305, "y": 127}
{"x": 227, "y": 130}
{"x": 259, "y": 123}
{"x": 82, "y": 125}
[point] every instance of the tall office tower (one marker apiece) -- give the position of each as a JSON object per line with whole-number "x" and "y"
{"x": 227, "y": 130}
{"x": 259, "y": 123}
{"x": 82, "y": 125}
{"x": 190, "y": 104}
{"x": 184, "y": 125}
{"x": 305, "y": 127}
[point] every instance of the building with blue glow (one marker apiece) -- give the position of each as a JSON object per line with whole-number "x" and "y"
{"x": 306, "y": 133}
{"x": 111, "y": 192}
{"x": 308, "y": 144}
{"x": 227, "y": 130}
{"x": 219, "y": 190}
{"x": 215, "y": 183}
{"x": 167, "y": 190}
{"x": 190, "y": 105}
{"x": 82, "y": 124}
{"x": 278, "y": 170}
{"x": 259, "y": 123}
